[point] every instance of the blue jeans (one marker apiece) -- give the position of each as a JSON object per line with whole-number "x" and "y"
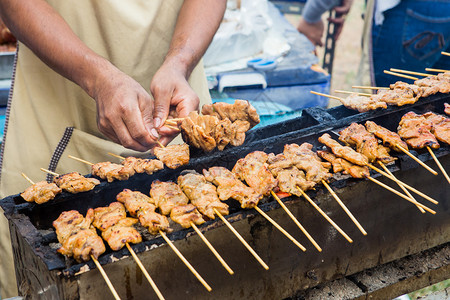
{"x": 411, "y": 37}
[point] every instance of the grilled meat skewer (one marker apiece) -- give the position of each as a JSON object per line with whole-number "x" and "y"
{"x": 77, "y": 236}
{"x": 416, "y": 130}
{"x": 142, "y": 207}
{"x": 41, "y": 192}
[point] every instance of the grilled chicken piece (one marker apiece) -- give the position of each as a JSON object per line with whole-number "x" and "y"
{"x": 167, "y": 195}
{"x": 241, "y": 110}
{"x": 253, "y": 169}
{"x": 78, "y": 238}
{"x": 307, "y": 160}
{"x": 185, "y": 214}
{"x": 173, "y": 156}
{"x": 70, "y": 222}
{"x": 202, "y": 194}
{"x": 75, "y": 182}
{"x": 400, "y": 94}
{"x": 228, "y": 186}
{"x": 105, "y": 217}
{"x": 390, "y": 139}
{"x": 141, "y": 165}
{"x": 139, "y": 205}
{"x": 441, "y": 126}
{"x": 365, "y": 143}
{"x": 361, "y": 103}
{"x": 433, "y": 84}
{"x": 121, "y": 233}
{"x": 135, "y": 201}
{"x": 291, "y": 178}
{"x": 343, "y": 151}
{"x": 198, "y": 131}
{"x": 117, "y": 229}
{"x": 41, "y": 192}
{"x": 227, "y": 132}
{"x": 110, "y": 171}
{"x": 416, "y": 131}
{"x": 447, "y": 109}
{"x": 340, "y": 164}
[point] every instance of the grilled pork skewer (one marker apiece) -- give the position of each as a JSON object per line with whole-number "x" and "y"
{"x": 394, "y": 141}
{"x": 240, "y": 110}
{"x": 80, "y": 240}
{"x": 141, "y": 205}
{"x": 356, "y": 158}
{"x": 356, "y": 171}
{"x": 173, "y": 156}
{"x": 73, "y": 182}
{"x": 356, "y": 102}
{"x": 447, "y": 109}
{"x": 196, "y": 182}
{"x": 118, "y": 231}
{"x": 170, "y": 199}
{"x": 286, "y": 167}
{"x": 40, "y": 192}
{"x": 416, "y": 130}
{"x": 203, "y": 195}
{"x": 365, "y": 143}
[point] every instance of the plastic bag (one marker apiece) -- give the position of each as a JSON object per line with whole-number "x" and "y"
{"x": 241, "y": 34}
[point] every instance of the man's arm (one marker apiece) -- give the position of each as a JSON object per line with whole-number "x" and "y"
{"x": 197, "y": 23}
{"x": 124, "y": 108}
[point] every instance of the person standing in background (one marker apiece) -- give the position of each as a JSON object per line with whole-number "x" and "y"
{"x": 94, "y": 76}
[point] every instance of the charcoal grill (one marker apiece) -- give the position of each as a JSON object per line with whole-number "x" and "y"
{"x": 395, "y": 227}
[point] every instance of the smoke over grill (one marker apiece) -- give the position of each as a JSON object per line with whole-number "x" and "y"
{"x": 395, "y": 227}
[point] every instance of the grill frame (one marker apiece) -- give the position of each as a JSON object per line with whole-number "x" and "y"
{"x": 62, "y": 278}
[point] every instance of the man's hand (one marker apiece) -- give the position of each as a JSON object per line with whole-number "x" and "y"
{"x": 171, "y": 91}
{"x": 313, "y": 31}
{"x": 124, "y": 111}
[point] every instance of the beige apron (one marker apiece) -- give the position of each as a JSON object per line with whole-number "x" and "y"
{"x": 51, "y": 117}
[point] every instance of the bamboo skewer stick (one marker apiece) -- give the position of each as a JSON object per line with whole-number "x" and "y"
{"x": 439, "y": 164}
{"x": 159, "y": 143}
{"x": 141, "y": 266}
{"x": 99, "y": 266}
{"x": 410, "y": 72}
{"x": 325, "y": 215}
{"x": 81, "y": 160}
{"x": 115, "y": 155}
{"x": 280, "y": 228}
{"x": 436, "y": 70}
{"x": 370, "y": 87}
{"x": 108, "y": 282}
{"x": 185, "y": 261}
{"x": 27, "y": 178}
{"x": 417, "y": 160}
{"x": 297, "y": 222}
{"x": 401, "y": 186}
{"x": 49, "y": 172}
{"x": 445, "y": 53}
{"x": 404, "y": 184}
{"x": 172, "y": 127}
{"x": 401, "y": 195}
{"x": 400, "y": 75}
{"x": 213, "y": 250}
{"x": 265, "y": 266}
{"x": 325, "y": 95}
{"x": 339, "y": 201}
{"x": 175, "y": 119}
{"x": 348, "y": 92}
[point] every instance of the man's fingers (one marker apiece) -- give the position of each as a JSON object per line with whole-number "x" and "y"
{"x": 162, "y": 98}
{"x": 122, "y": 133}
